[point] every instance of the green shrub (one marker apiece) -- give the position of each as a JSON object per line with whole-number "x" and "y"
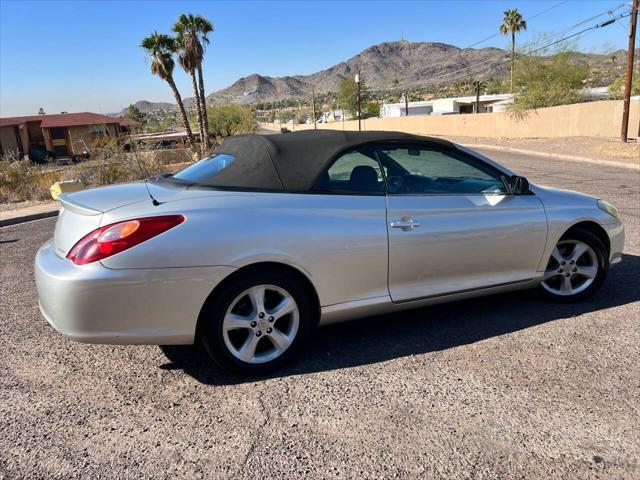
{"x": 225, "y": 120}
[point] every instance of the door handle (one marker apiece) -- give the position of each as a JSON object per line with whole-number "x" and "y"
{"x": 405, "y": 223}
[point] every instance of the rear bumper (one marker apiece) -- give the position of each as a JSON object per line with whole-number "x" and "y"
{"x": 95, "y": 304}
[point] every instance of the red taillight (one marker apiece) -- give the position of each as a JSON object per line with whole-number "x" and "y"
{"x": 114, "y": 238}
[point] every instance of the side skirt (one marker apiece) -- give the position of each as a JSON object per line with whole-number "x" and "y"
{"x": 342, "y": 312}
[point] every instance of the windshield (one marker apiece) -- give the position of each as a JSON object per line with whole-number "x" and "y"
{"x": 205, "y": 168}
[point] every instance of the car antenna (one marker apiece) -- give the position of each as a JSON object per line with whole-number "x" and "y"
{"x": 144, "y": 172}
{"x": 153, "y": 200}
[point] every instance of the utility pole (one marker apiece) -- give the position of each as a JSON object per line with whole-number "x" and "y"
{"x": 629, "y": 76}
{"x": 313, "y": 99}
{"x": 357, "y": 79}
{"x": 478, "y": 84}
{"x": 406, "y": 104}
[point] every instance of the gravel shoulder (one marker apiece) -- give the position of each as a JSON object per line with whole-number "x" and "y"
{"x": 501, "y": 387}
{"x": 597, "y": 148}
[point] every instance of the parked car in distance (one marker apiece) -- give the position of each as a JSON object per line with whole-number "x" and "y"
{"x": 249, "y": 249}
{"x": 40, "y": 155}
{"x": 164, "y": 145}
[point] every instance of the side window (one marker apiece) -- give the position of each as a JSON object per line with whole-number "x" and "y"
{"x": 354, "y": 171}
{"x": 419, "y": 169}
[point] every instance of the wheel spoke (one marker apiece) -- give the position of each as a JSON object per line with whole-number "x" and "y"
{"x": 248, "y": 349}
{"x": 566, "y": 287}
{"x": 279, "y": 339}
{"x": 550, "y": 274}
{"x": 256, "y": 294}
{"x": 556, "y": 255}
{"x": 578, "y": 251}
{"x": 285, "y": 307}
{"x": 588, "y": 272}
{"x": 235, "y": 322}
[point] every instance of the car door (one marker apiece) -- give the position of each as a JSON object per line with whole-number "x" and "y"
{"x": 452, "y": 226}
{"x": 345, "y": 246}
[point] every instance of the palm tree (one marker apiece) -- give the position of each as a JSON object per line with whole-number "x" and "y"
{"x": 160, "y": 48}
{"x": 192, "y": 35}
{"x": 512, "y": 23}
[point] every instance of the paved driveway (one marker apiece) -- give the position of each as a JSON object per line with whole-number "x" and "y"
{"x": 502, "y": 387}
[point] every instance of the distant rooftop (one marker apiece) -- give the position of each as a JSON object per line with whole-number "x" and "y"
{"x": 65, "y": 120}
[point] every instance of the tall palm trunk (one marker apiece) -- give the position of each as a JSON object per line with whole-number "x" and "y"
{"x": 196, "y": 93}
{"x": 183, "y": 112}
{"x": 203, "y": 102}
{"x": 513, "y": 56}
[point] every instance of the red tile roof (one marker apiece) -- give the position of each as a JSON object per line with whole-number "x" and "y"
{"x": 65, "y": 120}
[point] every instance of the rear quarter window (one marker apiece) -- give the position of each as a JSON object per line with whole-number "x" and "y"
{"x": 205, "y": 168}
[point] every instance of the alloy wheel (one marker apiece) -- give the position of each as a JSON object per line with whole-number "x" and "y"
{"x": 260, "y": 324}
{"x": 572, "y": 268}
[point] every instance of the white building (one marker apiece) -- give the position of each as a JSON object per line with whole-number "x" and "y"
{"x": 447, "y": 106}
{"x": 596, "y": 93}
{"x": 388, "y": 110}
{"x": 334, "y": 116}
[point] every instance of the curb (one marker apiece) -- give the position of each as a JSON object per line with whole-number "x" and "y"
{"x": 28, "y": 218}
{"x": 557, "y": 156}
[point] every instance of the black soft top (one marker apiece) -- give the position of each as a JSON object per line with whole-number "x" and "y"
{"x": 292, "y": 161}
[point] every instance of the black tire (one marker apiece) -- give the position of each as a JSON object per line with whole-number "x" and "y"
{"x": 210, "y": 331}
{"x": 602, "y": 256}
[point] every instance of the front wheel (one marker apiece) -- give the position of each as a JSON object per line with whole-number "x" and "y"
{"x": 256, "y": 322}
{"x": 577, "y": 267}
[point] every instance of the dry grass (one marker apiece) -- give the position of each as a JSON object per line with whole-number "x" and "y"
{"x": 21, "y": 180}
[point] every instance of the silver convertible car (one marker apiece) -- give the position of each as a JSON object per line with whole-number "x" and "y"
{"x": 249, "y": 249}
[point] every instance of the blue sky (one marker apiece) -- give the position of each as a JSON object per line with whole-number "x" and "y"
{"x": 85, "y": 55}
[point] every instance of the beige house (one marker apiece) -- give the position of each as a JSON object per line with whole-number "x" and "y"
{"x": 65, "y": 134}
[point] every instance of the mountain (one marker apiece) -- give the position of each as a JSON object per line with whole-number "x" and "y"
{"x": 147, "y": 107}
{"x": 426, "y": 63}
{"x": 417, "y": 63}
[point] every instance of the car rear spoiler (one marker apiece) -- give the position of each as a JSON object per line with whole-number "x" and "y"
{"x": 77, "y": 207}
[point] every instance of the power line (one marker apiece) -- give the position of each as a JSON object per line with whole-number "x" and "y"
{"x": 582, "y": 22}
{"x": 594, "y": 27}
{"x": 493, "y": 36}
{"x": 529, "y": 52}
{"x": 526, "y": 46}
{"x": 498, "y": 33}
{"x": 526, "y": 19}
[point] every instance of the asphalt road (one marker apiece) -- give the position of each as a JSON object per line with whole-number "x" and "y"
{"x": 508, "y": 386}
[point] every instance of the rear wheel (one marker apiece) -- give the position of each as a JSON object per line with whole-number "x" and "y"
{"x": 256, "y": 322}
{"x": 577, "y": 267}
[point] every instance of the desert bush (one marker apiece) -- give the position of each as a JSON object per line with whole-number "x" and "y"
{"x": 548, "y": 79}
{"x": 20, "y": 180}
{"x": 616, "y": 89}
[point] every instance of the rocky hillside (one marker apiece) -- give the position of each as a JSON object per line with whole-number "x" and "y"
{"x": 426, "y": 63}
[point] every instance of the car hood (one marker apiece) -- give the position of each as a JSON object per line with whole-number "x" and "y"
{"x": 551, "y": 196}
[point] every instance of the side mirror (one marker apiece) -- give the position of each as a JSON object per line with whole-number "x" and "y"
{"x": 517, "y": 185}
